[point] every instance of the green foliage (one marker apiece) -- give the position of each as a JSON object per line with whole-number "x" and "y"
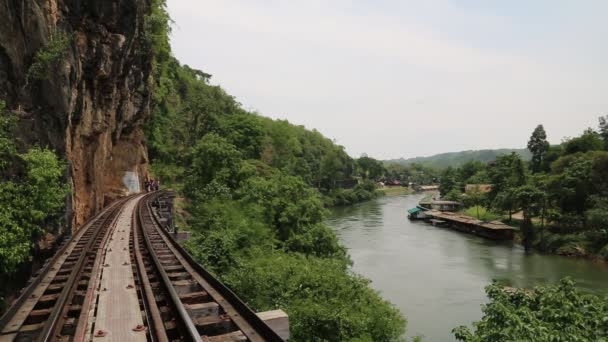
{"x": 245, "y": 132}
{"x": 507, "y": 172}
{"x": 288, "y": 203}
{"x": 157, "y": 26}
{"x": 7, "y": 139}
{"x": 249, "y": 184}
{"x": 316, "y": 240}
{"x": 603, "y": 129}
{"x": 449, "y": 181}
{"x": 482, "y": 213}
{"x": 475, "y": 198}
{"x": 364, "y": 191}
{"x": 47, "y": 56}
{"x": 370, "y": 168}
{"x": 576, "y": 178}
{"x": 538, "y": 146}
{"x": 453, "y": 195}
{"x": 213, "y": 158}
{"x": 325, "y": 302}
{"x": 504, "y": 201}
{"x": 457, "y": 159}
{"x": 589, "y": 141}
{"x": 417, "y": 174}
{"x": 32, "y": 196}
{"x": 28, "y": 204}
{"x": 545, "y": 314}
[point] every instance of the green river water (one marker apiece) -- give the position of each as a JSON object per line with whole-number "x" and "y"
{"x": 436, "y": 276}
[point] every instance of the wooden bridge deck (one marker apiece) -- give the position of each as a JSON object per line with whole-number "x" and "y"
{"x": 118, "y": 310}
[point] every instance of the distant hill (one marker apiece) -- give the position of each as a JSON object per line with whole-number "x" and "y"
{"x": 456, "y": 159}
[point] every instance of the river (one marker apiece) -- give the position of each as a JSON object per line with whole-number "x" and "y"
{"x": 436, "y": 276}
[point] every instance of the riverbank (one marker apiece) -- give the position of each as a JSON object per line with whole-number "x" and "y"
{"x": 590, "y": 244}
{"x": 437, "y": 276}
{"x": 396, "y": 190}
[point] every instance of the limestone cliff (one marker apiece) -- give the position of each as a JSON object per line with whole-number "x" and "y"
{"x": 90, "y": 103}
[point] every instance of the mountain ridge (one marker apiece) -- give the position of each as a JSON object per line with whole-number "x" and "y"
{"x": 455, "y": 159}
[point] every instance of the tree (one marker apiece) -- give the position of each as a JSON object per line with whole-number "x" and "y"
{"x": 469, "y": 169}
{"x": 370, "y": 168}
{"x": 558, "y": 313}
{"x": 505, "y": 202}
{"x": 29, "y": 205}
{"x": 507, "y": 172}
{"x": 449, "y": 181}
{"x": 288, "y": 204}
{"x": 530, "y": 199}
{"x": 590, "y": 140}
{"x": 245, "y": 132}
{"x": 214, "y": 159}
{"x": 538, "y": 146}
{"x": 604, "y": 130}
{"x": 475, "y": 198}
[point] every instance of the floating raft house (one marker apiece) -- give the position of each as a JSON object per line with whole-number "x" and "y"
{"x": 494, "y": 230}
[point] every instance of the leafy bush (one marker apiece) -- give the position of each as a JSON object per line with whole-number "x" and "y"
{"x": 324, "y": 301}
{"x": 317, "y": 240}
{"x": 364, "y": 191}
{"x": 32, "y": 196}
{"x": 559, "y": 313}
{"x": 47, "y": 56}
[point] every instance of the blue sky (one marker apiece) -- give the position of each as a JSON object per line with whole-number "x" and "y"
{"x": 406, "y": 78}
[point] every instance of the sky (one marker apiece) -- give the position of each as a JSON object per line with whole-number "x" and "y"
{"x": 406, "y": 78}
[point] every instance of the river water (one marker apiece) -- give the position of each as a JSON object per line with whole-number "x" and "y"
{"x": 437, "y": 276}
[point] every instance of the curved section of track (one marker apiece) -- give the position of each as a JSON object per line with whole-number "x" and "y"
{"x": 189, "y": 302}
{"x": 122, "y": 277}
{"x": 51, "y": 305}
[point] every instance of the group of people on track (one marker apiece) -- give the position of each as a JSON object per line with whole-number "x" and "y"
{"x": 151, "y": 185}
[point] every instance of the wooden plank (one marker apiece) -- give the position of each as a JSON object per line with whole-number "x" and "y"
{"x": 118, "y": 311}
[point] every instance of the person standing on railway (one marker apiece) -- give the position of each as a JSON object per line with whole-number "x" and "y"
{"x": 147, "y": 185}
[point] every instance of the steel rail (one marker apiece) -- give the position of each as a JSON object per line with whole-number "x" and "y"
{"x": 156, "y": 328}
{"x": 47, "y": 333}
{"x": 83, "y": 319}
{"x": 33, "y": 284}
{"x": 178, "y": 306}
{"x": 259, "y": 326}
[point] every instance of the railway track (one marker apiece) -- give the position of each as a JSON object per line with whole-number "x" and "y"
{"x": 50, "y": 306}
{"x": 177, "y": 299}
{"x": 182, "y": 297}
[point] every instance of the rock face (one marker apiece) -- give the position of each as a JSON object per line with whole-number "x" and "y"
{"x": 91, "y": 102}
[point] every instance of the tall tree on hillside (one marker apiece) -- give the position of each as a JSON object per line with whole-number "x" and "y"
{"x": 538, "y": 146}
{"x": 449, "y": 181}
{"x": 507, "y": 172}
{"x": 604, "y": 129}
{"x": 530, "y": 199}
{"x": 370, "y": 168}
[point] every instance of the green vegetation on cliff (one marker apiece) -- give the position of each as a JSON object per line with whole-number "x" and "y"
{"x": 32, "y": 198}
{"x": 254, "y": 192}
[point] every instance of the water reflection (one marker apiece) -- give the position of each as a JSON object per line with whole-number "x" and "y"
{"x": 436, "y": 275}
